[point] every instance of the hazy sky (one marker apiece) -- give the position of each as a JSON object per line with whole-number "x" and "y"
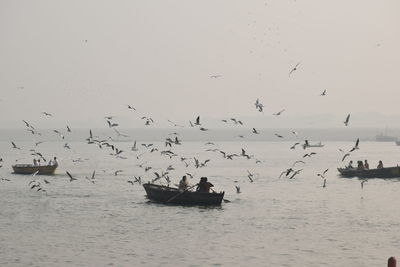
{"x": 82, "y": 60}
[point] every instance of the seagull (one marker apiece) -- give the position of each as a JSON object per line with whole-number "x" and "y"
{"x": 345, "y": 156}
{"x": 110, "y": 124}
{"x": 175, "y": 125}
{"x": 118, "y": 171}
{"x": 68, "y": 129}
{"x": 147, "y": 145}
{"x": 215, "y": 76}
{"x": 294, "y": 69}
{"x": 134, "y": 148}
{"x": 278, "y": 135}
{"x": 295, "y": 173}
{"x": 250, "y": 176}
{"x": 309, "y": 155}
{"x": 323, "y": 93}
{"x": 324, "y": 185}
{"x": 120, "y": 134}
{"x": 71, "y": 179}
{"x": 203, "y": 129}
{"x": 323, "y": 174}
{"x": 47, "y": 114}
{"x": 66, "y": 146}
{"x": 60, "y": 134}
{"x": 197, "y": 122}
{"x": 130, "y": 107}
{"x": 237, "y": 189}
{"x": 279, "y": 113}
{"x": 209, "y": 143}
{"x": 346, "y": 122}
{"x": 356, "y": 145}
{"x": 259, "y": 106}
{"x": 91, "y": 179}
{"x": 14, "y": 145}
{"x": 294, "y": 146}
{"x": 255, "y": 131}
{"x": 298, "y": 161}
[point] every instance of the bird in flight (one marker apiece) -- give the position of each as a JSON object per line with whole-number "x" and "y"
{"x": 323, "y": 93}
{"x": 131, "y": 107}
{"x": 255, "y": 131}
{"x": 279, "y": 113}
{"x": 14, "y": 145}
{"x": 237, "y": 189}
{"x": 259, "y": 106}
{"x": 345, "y": 156}
{"x": 323, "y": 174}
{"x": 47, "y": 114}
{"x": 71, "y": 179}
{"x": 356, "y": 145}
{"x": 346, "y": 122}
{"x": 215, "y": 76}
{"x": 294, "y": 69}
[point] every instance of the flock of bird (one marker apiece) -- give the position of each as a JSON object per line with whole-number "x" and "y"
{"x": 169, "y": 143}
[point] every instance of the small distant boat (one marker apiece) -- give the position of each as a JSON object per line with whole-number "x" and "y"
{"x": 31, "y": 169}
{"x": 316, "y": 145}
{"x": 385, "y": 138}
{"x": 397, "y": 143}
{"x": 166, "y": 194}
{"x": 390, "y": 172}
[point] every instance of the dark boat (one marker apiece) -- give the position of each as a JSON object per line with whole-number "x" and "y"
{"x": 390, "y": 172}
{"x": 166, "y": 194}
{"x": 31, "y": 169}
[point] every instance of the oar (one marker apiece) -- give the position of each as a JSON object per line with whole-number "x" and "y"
{"x": 180, "y": 193}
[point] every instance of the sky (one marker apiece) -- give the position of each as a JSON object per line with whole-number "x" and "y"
{"x": 83, "y": 60}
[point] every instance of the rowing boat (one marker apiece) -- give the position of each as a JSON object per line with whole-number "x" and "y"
{"x": 390, "y": 172}
{"x": 30, "y": 169}
{"x": 166, "y": 194}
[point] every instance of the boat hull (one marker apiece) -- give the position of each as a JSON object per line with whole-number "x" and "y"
{"x": 30, "y": 169}
{"x": 391, "y": 172}
{"x": 163, "y": 194}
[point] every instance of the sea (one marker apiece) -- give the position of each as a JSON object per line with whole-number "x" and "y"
{"x": 273, "y": 221}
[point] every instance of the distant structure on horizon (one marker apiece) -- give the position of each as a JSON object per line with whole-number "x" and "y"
{"x": 385, "y": 137}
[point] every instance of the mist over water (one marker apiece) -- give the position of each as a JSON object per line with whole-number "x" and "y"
{"x": 273, "y": 222}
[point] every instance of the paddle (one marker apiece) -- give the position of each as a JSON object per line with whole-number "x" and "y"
{"x": 180, "y": 193}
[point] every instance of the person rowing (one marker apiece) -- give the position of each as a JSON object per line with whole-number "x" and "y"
{"x": 204, "y": 186}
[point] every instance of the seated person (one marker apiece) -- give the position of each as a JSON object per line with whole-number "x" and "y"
{"x": 350, "y": 166}
{"x": 380, "y": 165}
{"x": 183, "y": 183}
{"x": 360, "y": 165}
{"x": 366, "y": 165}
{"x": 204, "y": 186}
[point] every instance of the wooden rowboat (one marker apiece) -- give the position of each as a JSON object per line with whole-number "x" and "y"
{"x": 390, "y": 172}
{"x": 30, "y": 169}
{"x": 165, "y": 194}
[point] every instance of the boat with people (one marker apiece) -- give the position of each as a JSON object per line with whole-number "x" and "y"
{"x": 31, "y": 169}
{"x": 389, "y": 172}
{"x": 165, "y": 194}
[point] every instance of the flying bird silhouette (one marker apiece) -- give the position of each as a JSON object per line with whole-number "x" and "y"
{"x": 294, "y": 69}
{"x": 346, "y": 122}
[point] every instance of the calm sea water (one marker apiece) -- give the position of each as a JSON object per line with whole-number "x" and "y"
{"x": 273, "y": 222}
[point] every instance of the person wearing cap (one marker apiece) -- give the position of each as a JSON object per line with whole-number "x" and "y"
{"x": 204, "y": 186}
